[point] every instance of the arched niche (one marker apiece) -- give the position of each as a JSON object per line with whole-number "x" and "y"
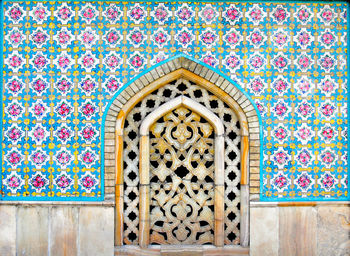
{"x": 161, "y": 75}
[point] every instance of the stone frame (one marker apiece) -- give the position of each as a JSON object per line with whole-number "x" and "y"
{"x": 214, "y": 120}
{"x": 208, "y": 79}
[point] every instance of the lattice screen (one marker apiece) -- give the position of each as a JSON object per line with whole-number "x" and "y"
{"x": 232, "y": 161}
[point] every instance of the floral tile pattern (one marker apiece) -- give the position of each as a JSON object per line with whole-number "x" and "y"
{"x": 64, "y": 61}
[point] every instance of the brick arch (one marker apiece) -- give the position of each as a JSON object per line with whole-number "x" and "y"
{"x": 159, "y": 76}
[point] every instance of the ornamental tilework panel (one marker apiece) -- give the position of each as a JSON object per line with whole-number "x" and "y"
{"x": 64, "y": 61}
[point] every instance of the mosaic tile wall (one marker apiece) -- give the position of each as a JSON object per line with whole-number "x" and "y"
{"x": 64, "y": 61}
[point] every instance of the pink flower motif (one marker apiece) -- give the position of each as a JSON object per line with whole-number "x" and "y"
{"x": 280, "y": 158}
{"x": 112, "y": 13}
{"x": 38, "y": 182}
{"x": 280, "y": 38}
{"x": 327, "y": 86}
{"x": 328, "y": 133}
{"x": 88, "y": 61}
{"x": 185, "y": 38}
{"x": 160, "y": 38}
{"x": 64, "y": 13}
{"x": 39, "y": 85}
{"x": 137, "y": 13}
{"x": 327, "y": 15}
{"x": 40, "y": 62}
{"x": 39, "y": 158}
{"x": 209, "y": 60}
{"x": 63, "y": 158}
{"x": 327, "y": 62}
{"x": 256, "y": 38}
{"x": 112, "y": 37}
{"x": 15, "y": 61}
{"x": 280, "y": 109}
{"x": 280, "y": 14}
{"x": 88, "y": 157}
{"x": 15, "y": 13}
{"x": 15, "y": 110}
{"x": 304, "y": 133}
{"x": 14, "y": 158}
{"x": 304, "y": 62}
{"x": 327, "y": 157}
{"x": 304, "y": 109}
{"x": 256, "y": 14}
{"x": 13, "y": 182}
{"x": 88, "y": 109}
{"x": 327, "y": 38}
{"x": 280, "y": 85}
{"x": 327, "y": 181}
{"x": 88, "y": 85}
{"x": 136, "y": 61}
{"x": 39, "y": 37}
{"x": 64, "y": 109}
{"x": 232, "y": 38}
{"x": 39, "y": 133}
{"x": 233, "y": 62}
{"x": 15, "y": 86}
{"x": 40, "y": 13}
{"x": 208, "y": 38}
{"x": 280, "y": 62}
{"x": 184, "y": 14}
{"x": 88, "y": 37}
{"x": 303, "y": 15}
{"x": 257, "y": 85}
{"x": 89, "y": 13}
{"x": 63, "y": 37}
{"x": 112, "y": 85}
{"x": 64, "y": 85}
{"x": 327, "y": 109}
{"x": 112, "y": 61}
{"x": 304, "y": 86}
{"x": 280, "y": 133}
{"x": 304, "y": 38}
{"x": 161, "y": 13}
{"x": 137, "y": 37}
{"x": 304, "y": 157}
{"x": 39, "y": 109}
{"x": 260, "y": 107}
{"x": 14, "y": 134}
{"x": 280, "y": 181}
{"x": 64, "y": 134}
{"x": 304, "y": 181}
{"x": 63, "y": 62}
{"x": 257, "y": 62}
{"x": 88, "y": 182}
{"x": 232, "y": 13}
{"x": 63, "y": 181}
{"x": 88, "y": 133}
{"x": 16, "y": 37}
{"x": 209, "y": 13}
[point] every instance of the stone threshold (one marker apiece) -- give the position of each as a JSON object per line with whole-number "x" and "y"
{"x": 181, "y": 250}
{"x": 258, "y": 204}
{"x": 110, "y": 203}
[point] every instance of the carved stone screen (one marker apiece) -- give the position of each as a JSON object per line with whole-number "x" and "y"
{"x": 131, "y": 165}
{"x": 182, "y": 179}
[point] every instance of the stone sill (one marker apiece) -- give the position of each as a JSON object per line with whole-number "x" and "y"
{"x": 258, "y": 204}
{"x": 107, "y": 203}
{"x": 183, "y": 250}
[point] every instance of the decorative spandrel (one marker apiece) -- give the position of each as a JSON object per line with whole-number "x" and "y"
{"x": 182, "y": 179}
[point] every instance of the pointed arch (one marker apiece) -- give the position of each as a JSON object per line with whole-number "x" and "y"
{"x": 225, "y": 89}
